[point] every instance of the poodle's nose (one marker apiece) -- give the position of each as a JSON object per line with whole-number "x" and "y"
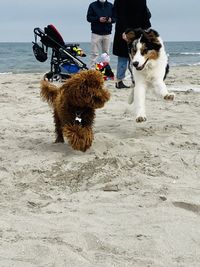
{"x": 135, "y": 64}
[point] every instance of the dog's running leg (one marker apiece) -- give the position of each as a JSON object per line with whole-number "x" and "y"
{"x": 131, "y": 96}
{"x": 139, "y": 102}
{"x": 58, "y": 129}
{"x": 161, "y": 89}
{"x": 130, "y": 68}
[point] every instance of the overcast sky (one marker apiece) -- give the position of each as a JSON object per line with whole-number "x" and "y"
{"x": 175, "y": 20}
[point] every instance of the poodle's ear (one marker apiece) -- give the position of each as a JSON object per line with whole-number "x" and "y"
{"x": 105, "y": 95}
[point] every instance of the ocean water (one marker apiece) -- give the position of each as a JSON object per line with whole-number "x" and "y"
{"x": 19, "y": 57}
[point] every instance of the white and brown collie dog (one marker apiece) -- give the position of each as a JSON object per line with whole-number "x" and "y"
{"x": 149, "y": 65}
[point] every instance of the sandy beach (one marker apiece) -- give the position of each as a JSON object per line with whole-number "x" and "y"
{"x": 132, "y": 200}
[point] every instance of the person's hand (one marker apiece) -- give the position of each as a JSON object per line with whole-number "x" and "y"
{"x": 124, "y": 37}
{"x": 109, "y": 20}
{"x": 102, "y": 19}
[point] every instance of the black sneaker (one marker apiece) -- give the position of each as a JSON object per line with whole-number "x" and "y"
{"x": 121, "y": 85}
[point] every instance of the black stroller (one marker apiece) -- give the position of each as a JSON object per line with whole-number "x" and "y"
{"x": 64, "y": 61}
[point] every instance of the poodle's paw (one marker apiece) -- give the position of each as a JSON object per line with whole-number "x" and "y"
{"x": 169, "y": 96}
{"x": 80, "y": 138}
{"x": 141, "y": 119}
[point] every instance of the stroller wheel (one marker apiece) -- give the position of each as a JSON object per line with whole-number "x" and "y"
{"x": 51, "y": 77}
{"x": 56, "y": 78}
{"x": 48, "y": 76}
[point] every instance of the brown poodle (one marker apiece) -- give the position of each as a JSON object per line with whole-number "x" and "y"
{"x": 74, "y": 105}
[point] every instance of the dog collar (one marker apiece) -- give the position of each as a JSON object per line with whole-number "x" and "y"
{"x": 78, "y": 118}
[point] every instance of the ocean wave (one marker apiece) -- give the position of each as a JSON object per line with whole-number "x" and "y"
{"x": 3, "y": 73}
{"x": 184, "y": 53}
{"x": 196, "y": 64}
{"x": 172, "y": 64}
{"x": 190, "y": 53}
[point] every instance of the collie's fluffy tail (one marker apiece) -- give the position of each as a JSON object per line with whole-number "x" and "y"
{"x": 48, "y": 91}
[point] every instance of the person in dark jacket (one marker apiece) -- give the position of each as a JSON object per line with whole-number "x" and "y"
{"x": 101, "y": 16}
{"x": 129, "y": 14}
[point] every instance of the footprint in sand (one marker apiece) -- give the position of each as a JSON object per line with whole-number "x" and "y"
{"x": 187, "y": 206}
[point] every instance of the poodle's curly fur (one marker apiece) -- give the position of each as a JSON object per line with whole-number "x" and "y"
{"x": 74, "y": 105}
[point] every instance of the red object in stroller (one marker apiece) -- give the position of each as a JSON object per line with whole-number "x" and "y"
{"x": 64, "y": 61}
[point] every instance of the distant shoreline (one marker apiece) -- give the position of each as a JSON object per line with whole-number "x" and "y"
{"x": 179, "y": 78}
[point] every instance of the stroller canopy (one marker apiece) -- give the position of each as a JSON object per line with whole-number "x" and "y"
{"x": 53, "y": 38}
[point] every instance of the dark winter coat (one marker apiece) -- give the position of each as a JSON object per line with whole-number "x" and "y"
{"x": 95, "y": 11}
{"x": 129, "y": 14}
